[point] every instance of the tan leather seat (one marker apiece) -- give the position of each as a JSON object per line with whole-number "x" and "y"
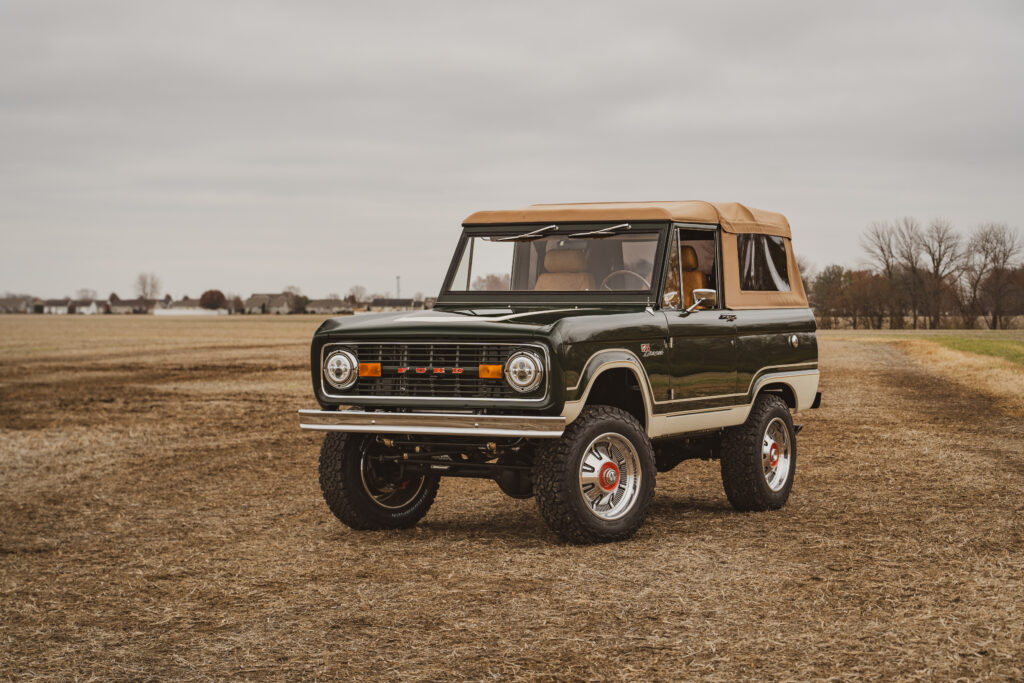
{"x": 692, "y": 278}
{"x": 566, "y": 272}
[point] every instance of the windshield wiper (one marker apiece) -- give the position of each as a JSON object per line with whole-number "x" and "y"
{"x": 525, "y": 237}
{"x": 603, "y": 232}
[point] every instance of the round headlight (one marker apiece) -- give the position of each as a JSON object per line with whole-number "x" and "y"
{"x": 341, "y": 369}
{"x": 524, "y": 371}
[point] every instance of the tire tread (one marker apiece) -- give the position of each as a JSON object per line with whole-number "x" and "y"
{"x": 555, "y": 498}
{"x": 347, "y": 507}
{"x": 742, "y": 475}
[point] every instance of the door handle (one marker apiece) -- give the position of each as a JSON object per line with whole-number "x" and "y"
{"x": 727, "y": 316}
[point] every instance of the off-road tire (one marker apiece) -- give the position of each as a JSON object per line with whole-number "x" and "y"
{"x": 342, "y": 487}
{"x": 742, "y": 470}
{"x": 556, "y": 478}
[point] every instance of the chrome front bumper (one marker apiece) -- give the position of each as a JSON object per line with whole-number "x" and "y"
{"x": 454, "y": 424}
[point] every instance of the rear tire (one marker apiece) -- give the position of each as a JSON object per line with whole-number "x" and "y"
{"x": 759, "y": 457}
{"x": 595, "y": 484}
{"x": 366, "y": 494}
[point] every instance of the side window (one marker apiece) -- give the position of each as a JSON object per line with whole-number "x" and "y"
{"x": 698, "y": 262}
{"x": 670, "y": 298}
{"x": 693, "y": 264}
{"x": 763, "y": 263}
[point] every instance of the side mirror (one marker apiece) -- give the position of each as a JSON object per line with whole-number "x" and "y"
{"x": 703, "y": 297}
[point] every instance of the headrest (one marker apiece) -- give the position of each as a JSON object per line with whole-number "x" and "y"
{"x": 565, "y": 261}
{"x": 688, "y": 258}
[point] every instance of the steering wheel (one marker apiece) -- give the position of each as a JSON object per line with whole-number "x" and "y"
{"x": 609, "y": 276}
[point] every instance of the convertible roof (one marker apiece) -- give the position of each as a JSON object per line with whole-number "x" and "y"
{"x": 733, "y": 217}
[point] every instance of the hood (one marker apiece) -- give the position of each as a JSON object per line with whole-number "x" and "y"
{"x": 485, "y": 322}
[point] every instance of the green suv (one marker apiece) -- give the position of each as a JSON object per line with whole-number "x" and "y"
{"x": 575, "y": 351}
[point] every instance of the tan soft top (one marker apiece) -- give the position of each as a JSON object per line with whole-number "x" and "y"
{"x": 733, "y": 217}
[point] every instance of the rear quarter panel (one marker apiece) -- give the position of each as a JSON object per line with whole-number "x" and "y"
{"x": 764, "y": 342}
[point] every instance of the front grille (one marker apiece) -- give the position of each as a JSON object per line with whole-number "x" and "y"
{"x": 428, "y": 370}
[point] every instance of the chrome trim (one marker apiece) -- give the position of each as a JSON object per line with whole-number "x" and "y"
{"x": 354, "y": 372}
{"x": 700, "y": 298}
{"x": 539, "y": 370}
{"x": 610, "y": 478}
{"x": 413, "y": 400}
{"x": 454, "y": 424}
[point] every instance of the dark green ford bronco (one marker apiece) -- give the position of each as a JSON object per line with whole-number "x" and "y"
{"x": 575, "y": 351}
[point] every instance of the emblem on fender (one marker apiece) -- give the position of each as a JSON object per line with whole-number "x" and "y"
{"x": 647, "y": 352}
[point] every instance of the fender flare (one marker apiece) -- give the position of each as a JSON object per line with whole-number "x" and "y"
{"x": 596, "y": 365}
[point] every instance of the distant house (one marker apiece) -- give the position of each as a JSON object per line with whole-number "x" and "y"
{"x": 188, "y": 306}
{"x": 90, "y": 307}
{"x": 16, "y": 304}
{"x": 328, "y": 307}
{"x": 57, "y": 306}
{"x": 270, "y": 303}
{"x": 395, "y": 304}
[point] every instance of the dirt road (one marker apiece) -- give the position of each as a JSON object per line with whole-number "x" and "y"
{"x": 160, "y": 518}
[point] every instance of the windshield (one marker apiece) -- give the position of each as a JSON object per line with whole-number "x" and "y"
{"x": 618, "y": 262}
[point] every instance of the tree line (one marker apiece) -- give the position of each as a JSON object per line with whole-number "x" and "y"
{"x": 925, "y": 277}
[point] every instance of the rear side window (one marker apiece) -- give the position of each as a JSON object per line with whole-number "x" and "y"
{"x": 763, "y": 263}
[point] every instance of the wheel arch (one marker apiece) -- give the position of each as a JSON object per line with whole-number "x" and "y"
{"x": 613, "y": 378}
{"x": 782, "y": 389}
{"x": 796, "y": 388}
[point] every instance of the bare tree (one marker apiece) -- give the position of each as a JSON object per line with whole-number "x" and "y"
{"x": 297, "y": 300}
{"x": 908, "y": 252}
{"x": 940, "y": 246}
{"x": 1000, "y": 246}
{"x": 879, "y": 241}
{"x": 828, "y": 294}
{"x": 147, "y": 286}
{"x": 85, "y": 294}
{"x": 866, "y": 296}
{"x": 356, "y": 294}
{"x": 974, "y": 268}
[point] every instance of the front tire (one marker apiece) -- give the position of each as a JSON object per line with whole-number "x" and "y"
{"x": 595, "y": 484}
{"x": 759, "y": 457}
{"x": 366, "y": 493}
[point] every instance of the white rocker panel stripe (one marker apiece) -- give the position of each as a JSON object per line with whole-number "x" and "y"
{"x": 804, "y": 384}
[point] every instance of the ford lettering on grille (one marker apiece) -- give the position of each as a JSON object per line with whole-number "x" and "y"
{"x": 434, "y": 370}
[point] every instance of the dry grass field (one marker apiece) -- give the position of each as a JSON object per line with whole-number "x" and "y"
{"x": 160, "y": 518}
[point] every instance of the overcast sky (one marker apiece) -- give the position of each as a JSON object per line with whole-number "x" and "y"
{"x": 248, "y": 146}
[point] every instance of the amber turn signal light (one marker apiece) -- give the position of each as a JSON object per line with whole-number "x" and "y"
{"x": 369, "y": 369}
{"x": 491, "y": 371}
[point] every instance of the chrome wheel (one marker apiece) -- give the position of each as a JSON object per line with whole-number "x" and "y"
{"x": 610, "y": 476}
{"x": 386, "y": 485}
{"x": 776, "y": 454}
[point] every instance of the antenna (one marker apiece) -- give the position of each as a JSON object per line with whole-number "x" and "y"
{"x": 398, "y": 286}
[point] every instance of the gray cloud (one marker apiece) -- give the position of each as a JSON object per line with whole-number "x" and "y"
{"x": 249, "y": 146}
